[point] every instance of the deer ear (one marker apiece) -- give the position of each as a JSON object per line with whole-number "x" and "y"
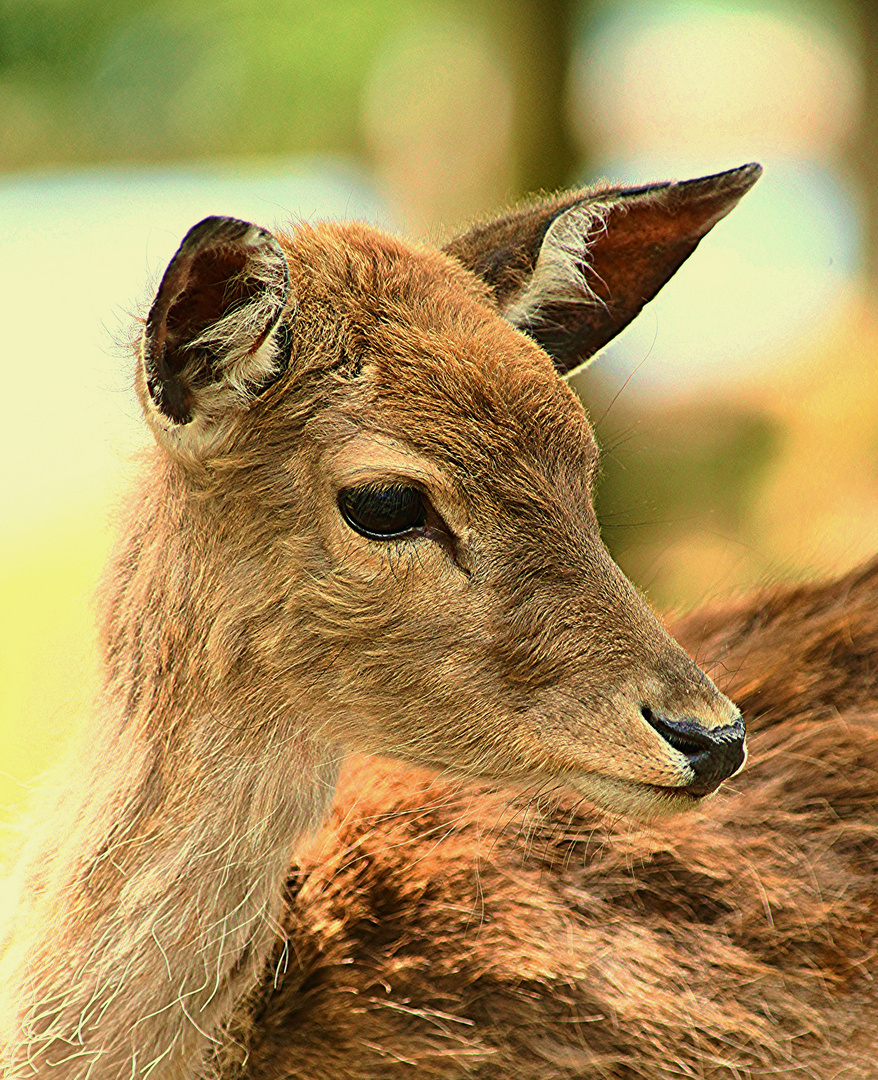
{"x": 216, "y": 335}
{"x": 574, "y": 270}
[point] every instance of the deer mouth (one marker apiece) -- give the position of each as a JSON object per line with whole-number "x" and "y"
{"x": 688, "y": 795}
{"x": 692, "y": 794}
{"x": 696, "y": 792}
{"x": 642, "y": 801}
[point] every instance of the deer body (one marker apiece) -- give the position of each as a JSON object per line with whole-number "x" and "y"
{"x": 367, "y": 526}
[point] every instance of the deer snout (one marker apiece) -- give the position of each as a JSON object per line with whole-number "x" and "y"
{"x": 712, "y": 754}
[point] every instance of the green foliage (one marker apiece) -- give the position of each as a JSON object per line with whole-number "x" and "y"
{"x": 710, "y": 458}
{"x": 185, "y": 78}
{"x": 672, "y": 472}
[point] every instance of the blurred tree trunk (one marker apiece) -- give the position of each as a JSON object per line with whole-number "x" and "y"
{"x": 540, "y": 37}
{"x": 862, "y": 17}
{"x": 866, "y": 154}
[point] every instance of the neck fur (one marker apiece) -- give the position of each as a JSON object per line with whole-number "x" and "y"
{"x": 158, "y": 908}
{"x": 151, "y": 885}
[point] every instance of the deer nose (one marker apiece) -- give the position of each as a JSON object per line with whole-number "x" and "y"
{"x": 713, "y": 754}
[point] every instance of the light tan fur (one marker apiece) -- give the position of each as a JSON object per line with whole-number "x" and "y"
{"x": 252, "y": 638}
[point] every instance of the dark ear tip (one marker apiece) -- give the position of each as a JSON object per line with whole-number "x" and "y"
{"x": 733, "y": 182}
{"x": 215, "y": 231}
{"x": 752, "y": 171}
{"x": 211, "y": 233}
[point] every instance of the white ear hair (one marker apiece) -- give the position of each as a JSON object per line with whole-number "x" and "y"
{"x": 217, "y": 335}
{"x": 559, "y": 276}
{"x": 231, "y": 338}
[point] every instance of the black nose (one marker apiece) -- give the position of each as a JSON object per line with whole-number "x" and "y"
{"x": 713, "y": 754}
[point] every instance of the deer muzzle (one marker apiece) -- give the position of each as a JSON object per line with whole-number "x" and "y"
{"x": 712, "y": 754}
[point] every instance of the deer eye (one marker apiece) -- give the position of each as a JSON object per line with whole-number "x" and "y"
{"x": 383, "y": 513}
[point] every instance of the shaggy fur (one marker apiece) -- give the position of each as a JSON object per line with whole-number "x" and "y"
{"x": 435, "y": 930}
{"x": 252, "y": 637}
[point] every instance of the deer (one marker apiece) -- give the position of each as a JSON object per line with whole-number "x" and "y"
{"x": 366, "y": 528}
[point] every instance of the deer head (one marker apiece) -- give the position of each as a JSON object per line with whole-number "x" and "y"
{"x": 372, "y": 448}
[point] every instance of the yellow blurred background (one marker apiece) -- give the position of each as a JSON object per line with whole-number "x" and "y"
{"x": 739, "y": 413}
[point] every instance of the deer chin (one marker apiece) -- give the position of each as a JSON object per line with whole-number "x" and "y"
{"x": 634, "y": 799}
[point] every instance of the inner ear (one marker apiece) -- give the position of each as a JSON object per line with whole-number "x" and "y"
{"x": 217, "y": 333}
{"x": 572, "y": 271}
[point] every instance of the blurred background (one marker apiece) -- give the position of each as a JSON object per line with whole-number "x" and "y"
{"x": 739, "y": 413}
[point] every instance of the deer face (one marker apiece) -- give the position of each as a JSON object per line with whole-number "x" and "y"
{"x": 384, "y": 434}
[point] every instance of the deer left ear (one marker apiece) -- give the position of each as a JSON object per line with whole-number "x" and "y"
{"x": 217, "y": 334}
{"x": 574, "y": 270}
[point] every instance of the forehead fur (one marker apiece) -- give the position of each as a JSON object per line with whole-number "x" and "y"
{"x": 425, "y": 354}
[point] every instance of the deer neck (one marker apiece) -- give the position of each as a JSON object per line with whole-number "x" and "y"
{"x": 151, "y": 894}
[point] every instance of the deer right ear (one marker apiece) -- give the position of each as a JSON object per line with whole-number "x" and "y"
{"x": 573, "y": 271}
{"x": 217, "y": 334}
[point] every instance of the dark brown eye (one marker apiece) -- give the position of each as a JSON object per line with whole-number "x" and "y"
{"x": 383, "y": 513}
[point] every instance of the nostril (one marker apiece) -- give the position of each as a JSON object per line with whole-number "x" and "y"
{"x": 686, "y": 736}
{"x": 713, "y": 754}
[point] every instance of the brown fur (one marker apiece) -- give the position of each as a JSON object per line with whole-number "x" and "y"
{"x": 253, "y": 637}
{"x": 437, "y": 930}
